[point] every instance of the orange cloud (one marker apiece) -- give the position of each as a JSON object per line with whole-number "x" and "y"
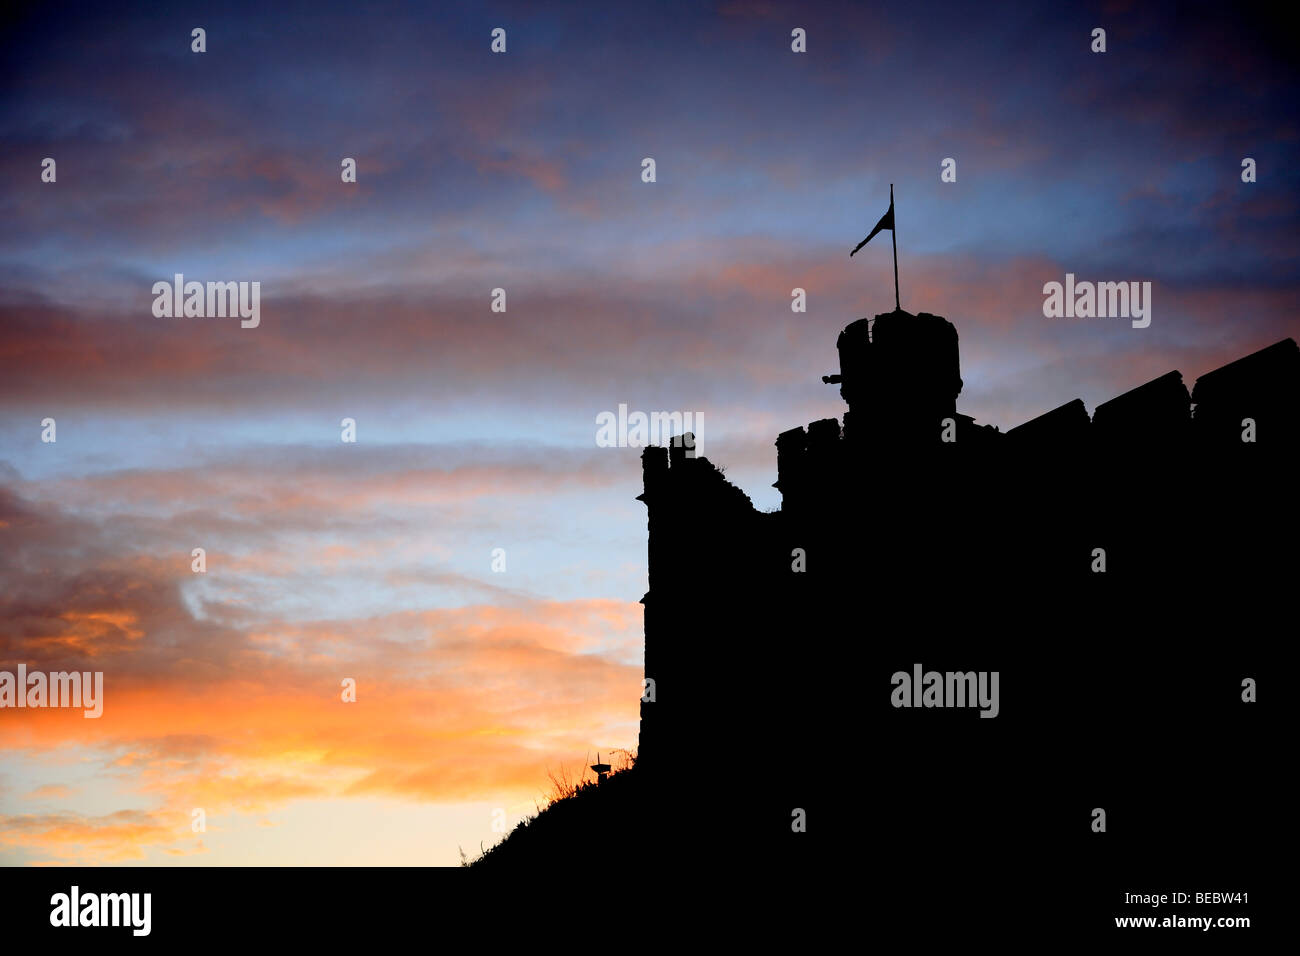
{"x": 452, "y": 704}
{"x": 68, "y": 837}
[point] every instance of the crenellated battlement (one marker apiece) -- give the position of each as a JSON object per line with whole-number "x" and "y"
{"x": 912, "y": 505}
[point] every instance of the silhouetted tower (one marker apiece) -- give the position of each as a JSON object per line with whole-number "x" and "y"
{"x": 900, "y": 375}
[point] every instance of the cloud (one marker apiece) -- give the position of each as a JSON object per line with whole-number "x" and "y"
{"x": 456, "y": 703}
{"x": 116, "y": 837}
{"x": 51, "y": 791}
{"x": 579, "y": 348}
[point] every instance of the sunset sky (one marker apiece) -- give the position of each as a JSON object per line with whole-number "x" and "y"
{"x": 476, "y": 429}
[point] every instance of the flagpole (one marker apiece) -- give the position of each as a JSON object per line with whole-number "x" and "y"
{"x": 893, "y": 233}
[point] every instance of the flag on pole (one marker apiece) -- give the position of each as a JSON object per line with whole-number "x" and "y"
{"x": 886, "y": 222}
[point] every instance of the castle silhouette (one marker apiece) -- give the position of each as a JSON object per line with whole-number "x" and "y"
{"x": 1124, "y": 572}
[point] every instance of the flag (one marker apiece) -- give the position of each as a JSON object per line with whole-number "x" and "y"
{"x": 886, "y": 222}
